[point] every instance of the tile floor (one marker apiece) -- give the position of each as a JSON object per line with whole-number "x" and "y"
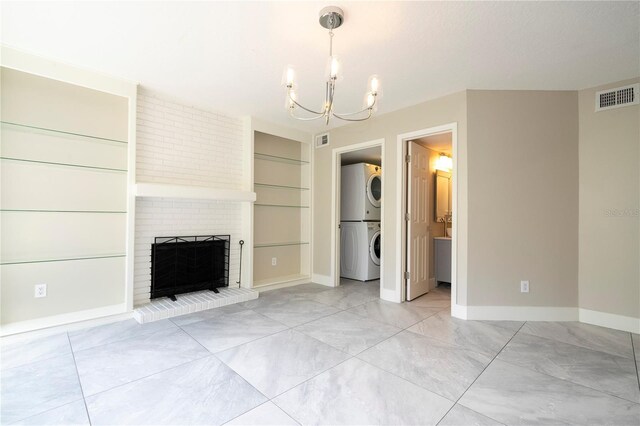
{"x": 313, "y": 355}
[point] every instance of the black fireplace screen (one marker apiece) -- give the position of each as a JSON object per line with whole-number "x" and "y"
{"x": 186, "y": 264}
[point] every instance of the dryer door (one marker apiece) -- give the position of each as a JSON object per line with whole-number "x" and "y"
{"x": 374, "y": 248}
{"x": 374, "y": 190}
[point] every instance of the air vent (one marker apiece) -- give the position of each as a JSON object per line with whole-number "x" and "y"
{"x": 322, "y": 140}
{"x": 616, "y": 98}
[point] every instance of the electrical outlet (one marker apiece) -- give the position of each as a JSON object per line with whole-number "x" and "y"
{"x": 40, "y": 290}
{"x": 524, "y": 286}
{"x": 274, "y": 261}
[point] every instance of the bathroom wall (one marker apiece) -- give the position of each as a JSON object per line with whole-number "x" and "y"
{"x": 609, "y": 276}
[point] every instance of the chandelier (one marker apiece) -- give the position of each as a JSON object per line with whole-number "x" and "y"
{"x": 330, "y": 18}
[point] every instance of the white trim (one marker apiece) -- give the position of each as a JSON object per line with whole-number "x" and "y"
{"x": 432, "y": 283}
{"x": 281, "y": 284}
{"x": 459, "y": 311}
{"x": 131, "y": 203}
{"x": 322, "y": 279}
{"x": 401, "y": 151}
{"x": 521, "y": 313}
{"x": 38, "y": 65}
{"x": 335, "y": 210}
{"x": 156, "y": 190}
{"x": 605, "y": 319}
{"x": 84, "y": 318}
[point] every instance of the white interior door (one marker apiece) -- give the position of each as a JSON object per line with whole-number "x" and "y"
{"x": 418, "y": 221}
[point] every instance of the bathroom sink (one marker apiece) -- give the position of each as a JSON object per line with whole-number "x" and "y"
{"x": 449, "y": 232}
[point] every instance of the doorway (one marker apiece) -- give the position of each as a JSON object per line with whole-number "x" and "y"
{"x": 357, "y": 213}
{"x": 427, "y": 204}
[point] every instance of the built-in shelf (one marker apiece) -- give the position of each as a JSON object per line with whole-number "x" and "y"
{"x": 259, "y": 156}
{"x": 280, "y": 280}
{"x": 281, "y": 244}
{"x": 82, "y": 166}
{"x": 268, "y": 185}
{"x": 156, "y": 190}
{"x": 25, "y": 127}
{"x": 64, "y": 259}
{"x": 282, "y": 205}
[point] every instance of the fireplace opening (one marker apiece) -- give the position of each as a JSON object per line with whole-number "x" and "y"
{"x": 187, "y": 264}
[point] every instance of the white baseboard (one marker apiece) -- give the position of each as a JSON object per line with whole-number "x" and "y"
{"x": 605, "y": 319}
{"x": 67, "y": 322}
{"x": 459, "y": 311}
{"x": 521, "y": 313}
{"x": 322, "y": 279}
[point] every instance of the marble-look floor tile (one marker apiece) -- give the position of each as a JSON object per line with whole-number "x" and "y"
{"x": 348, "y": 332}
{"x": 434, "y": 299}
{"x": 265, "y": 414}
{"x": 438, "y": 366}
{"x": 114, "y": 364}
{"x": 279, "y": 362}
{"x": 636, "y": 345}
{"x": 401, "y": 315}
{"x": 509, "y": 325}
{"x": 16, "y": 352}
{"x": 463, "y": 416}
{"x": 114, "y": 332}
{"x": 607, "y": 373}
{"x": 34, "y": 388}
{"x": 602, "y": 339}
{"x": 515, "y": 395}
{"x": 202, "y": 392}
{"x": 182, "y": 320}
{"x": 71, "y": 414}
{"x": 472, "y": 335}
{"x": 294, "y": 312}
{"x": 345, "y": 297}
{"x": 227, "y": 331}
{"x": 295, "y": 292}
{"x": 356, "y": 393}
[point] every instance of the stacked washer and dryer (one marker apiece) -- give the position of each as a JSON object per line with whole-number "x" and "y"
{"x": 360, "y": 200}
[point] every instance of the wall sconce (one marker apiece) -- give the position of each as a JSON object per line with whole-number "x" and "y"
{"x": 444, "y": 163}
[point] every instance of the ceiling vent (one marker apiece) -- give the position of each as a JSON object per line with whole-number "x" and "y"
{"x": 618, "y": 97}
{"x": 322, "y": 140}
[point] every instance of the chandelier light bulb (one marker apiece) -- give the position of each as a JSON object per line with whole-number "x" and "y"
{"x": 374, "y": 83}
{"x": 288, "y": 76}
{"x": 371, "y": 99}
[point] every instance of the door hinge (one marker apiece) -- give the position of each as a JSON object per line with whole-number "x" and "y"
{"x": 407, "y": 275}
{"x": 407, "y": 217}
{"x": 408, "y": 158}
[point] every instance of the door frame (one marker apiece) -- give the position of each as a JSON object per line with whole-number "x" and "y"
{"x": 401, "y": 202}
{"x": 336, "y": 156}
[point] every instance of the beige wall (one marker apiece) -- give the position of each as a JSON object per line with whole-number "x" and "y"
{"x": 609, "y": 201}
{"x": 433, "y": 113}
{"x": 63, "y": 197}
{"x": 523, "y": 198}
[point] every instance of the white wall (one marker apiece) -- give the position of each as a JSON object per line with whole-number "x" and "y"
{"x": 609, "y": 275}
{"x": 181, "y": 145}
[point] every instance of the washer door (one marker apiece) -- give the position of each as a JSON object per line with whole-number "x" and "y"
{"x": 374, "y": 248}
{"x": 374, "y": 190}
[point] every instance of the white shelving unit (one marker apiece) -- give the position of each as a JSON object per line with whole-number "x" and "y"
{"x": 155, "y": 190}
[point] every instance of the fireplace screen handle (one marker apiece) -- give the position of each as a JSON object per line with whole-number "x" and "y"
{"x": 241, "y": 242}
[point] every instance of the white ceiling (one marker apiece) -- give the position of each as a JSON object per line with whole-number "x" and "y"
{"x": 372, "y": 155}
{"x": 229, "y": 56}
{"x": 441, "y": 142}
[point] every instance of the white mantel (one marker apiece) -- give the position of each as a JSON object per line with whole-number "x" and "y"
{"x": 156, "y": 190}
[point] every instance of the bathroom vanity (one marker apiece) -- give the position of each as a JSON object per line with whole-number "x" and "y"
{"x": 443, "y": 259}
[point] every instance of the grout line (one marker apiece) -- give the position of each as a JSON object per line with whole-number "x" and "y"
{"x": 635, "y": 359}
{"x": 481, "y": 373}
{"x": 75, "y": 364}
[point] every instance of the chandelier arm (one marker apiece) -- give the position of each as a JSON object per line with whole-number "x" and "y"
{"x": 353, "y": 119}
{"x": 304, "y": 118}
{"x": 306, "y": 109}
{"x": 370, "y": 108}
